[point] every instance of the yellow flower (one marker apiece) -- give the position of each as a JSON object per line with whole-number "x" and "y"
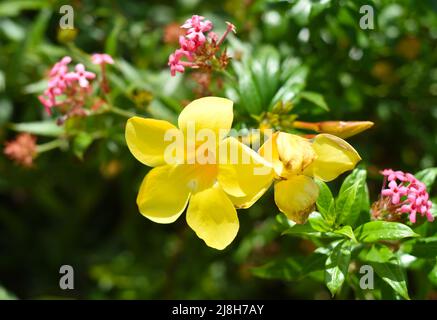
{"x": 296, "y": 161}
{"x": 211, "y": 189}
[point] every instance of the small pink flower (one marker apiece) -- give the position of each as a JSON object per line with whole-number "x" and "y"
{"x": 102, "y": 58}
{"x": 82, "y": 75}
{"x": 395, "y": 192}
{"x": 47, "y": 103}
{"x": 393, "y": 175}
{"x": 196, "y": 36}
{"x": 231, "y": 27}
{"x": 196, "y": 24}
{"x": 175, "y": 63}
{"x": 60, "y": 67}
{"x": 213, "y": 36}
{"x": 187, "y": 45}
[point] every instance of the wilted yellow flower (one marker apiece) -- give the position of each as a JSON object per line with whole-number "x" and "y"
{"x": 296, "y": 161}
{"x": 182, "y": 176}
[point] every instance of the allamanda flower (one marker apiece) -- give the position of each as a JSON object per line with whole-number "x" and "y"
{"x": 209, "y": 188}
{"x": 296, "y": 161}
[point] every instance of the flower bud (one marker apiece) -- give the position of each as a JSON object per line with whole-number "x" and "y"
{"x": 344, "y": 129}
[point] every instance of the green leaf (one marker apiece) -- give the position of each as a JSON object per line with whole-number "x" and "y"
{"x": 6, "y": 295}
{"x": 313, "y": 226}
{"x": 315, "y": 98}
{"x": 383, "y": 230}
{"x": 111, "y": 41}
{"x": 432, "y": 276}
{"x": 283, "y": 269}
{"x": 265, "y": 69}
{"x": 294, "y": 83}
{"x": 300, "y": 11}
{"x": 13, "y": 8}
{"x": 352, "y": 199}
{"x": 317, "y": 222}
{"x": 387, "y": 266}
{"x": 427, "y": 176}
{"x": 42, "y": 128}
{"x": 314, "y": 262}
{"x": 337, "y": 266}
{"x": 301, "y": 228}
{"x": 325, "y": 202}
{"x": 421, "y": 248}
{"x": 5, "y": 110}
{"x": 346, "y": 231}
{"x": 250, "y": 97}
{"x": 81, "y": 143}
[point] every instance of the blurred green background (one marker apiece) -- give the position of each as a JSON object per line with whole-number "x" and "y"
{"x": 66, "y": 210}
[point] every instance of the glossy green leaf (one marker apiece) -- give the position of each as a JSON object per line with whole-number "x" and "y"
{"x": 422, "y": 248}
{"x": 352, "y": 199}
{"x": 5, "y": 110}
{"x": 294, "y": 83}
{"x": 427, "y": 176}
{"x": 383, "y": 230}
{"x": 346, "y": 231}
{"x": 265, "y": 69}
{"x": 337, "y": 266}
{"x": 315, "y": 98}
{"x": 432, "y": 276}
{"x": 325, "y": 202}
{"x": 13, "y": 8}
{"x": 283, "y": 269}
{"x": 387, "y": 266}
{"x": 317, "y": 222}
{"x": 250, "y": 97}
{"x": 43, "y": 128}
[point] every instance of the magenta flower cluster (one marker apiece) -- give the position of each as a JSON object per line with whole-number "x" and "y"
{"x": 407, "y": 193}
{"x": 194, "y": 38}
{"x": 63, "y": 84}
{"x": 70, "y": 87}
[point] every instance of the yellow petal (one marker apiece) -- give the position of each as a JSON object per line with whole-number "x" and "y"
{"x": 295, "y": 153}
{"x": 247, "y": 201}
{"x": 334, "y": 156}
{"x": 213, "y": 217}
{"x": 164, "y": 193}
{"x": 201, "y": 176}
{"x": 291, "y": 154}
{"x": 242, "y": 172}
{"x": 296, "y": 197}
{"x": 211, "y": 113}
{"x": 146, "y": 139}
{"x": 269, "y": 152}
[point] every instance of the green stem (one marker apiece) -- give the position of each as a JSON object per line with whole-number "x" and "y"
{"x": 121, "y": 112}
{"x": 54, "y": 144}
{"x": 228, "y": 75}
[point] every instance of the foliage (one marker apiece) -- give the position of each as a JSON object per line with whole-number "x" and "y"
{"x": 305, "y": 60}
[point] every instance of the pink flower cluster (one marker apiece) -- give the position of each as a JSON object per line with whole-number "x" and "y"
{"x": 407, "y": 193}
{"x": 22, "y": 149}
{"x": 194, "y": 38}
{"x": 65, "y": 84}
